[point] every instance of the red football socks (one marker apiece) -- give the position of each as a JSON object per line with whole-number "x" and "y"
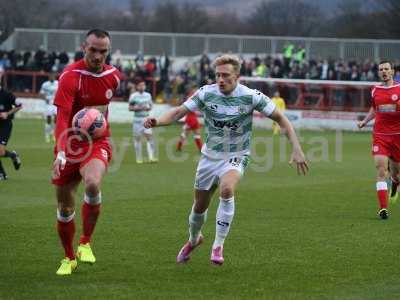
{"x": 381, "y": 188}
{"x": 89, "y": 214}
{"x": 66, "y": 232}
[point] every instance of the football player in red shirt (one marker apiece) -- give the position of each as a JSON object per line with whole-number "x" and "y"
{"x": 191, "y": 124}
{"x": 86, "y": 83}
{"x": 386, "y": 134}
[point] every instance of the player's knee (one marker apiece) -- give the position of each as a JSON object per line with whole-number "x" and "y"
{"x": 226, "y": 190}
{"x": 2, "y": 151}
{"x": 65, "y": 211}
{"x": 92, "y": 182}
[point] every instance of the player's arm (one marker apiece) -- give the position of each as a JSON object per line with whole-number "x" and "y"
{"x": 368, "y": 117}
{"x": 297, "y": 156}
{"x": 14, "y": 109}
{"x": 42, "y": 92}
{"x": 173, "y": 115}
{"x": 135, "y": 107}
{"x": 16, "y": 106}
{"x": 167, "y": 118}
{"x": 63, "y": 100}
{"x": 150, "y": 105}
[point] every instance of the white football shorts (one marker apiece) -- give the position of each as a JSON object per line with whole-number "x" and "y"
{"x": 50, "y": 110}
{"x": 209, "y": 170}
{"x": 138, "y": 128}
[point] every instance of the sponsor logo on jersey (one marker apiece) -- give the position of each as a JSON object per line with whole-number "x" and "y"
{"x": 387, "y": 108}
{"x": 230, "y": 124}
{"x": 214, "y": 107}
{"x": 242, "y": 110}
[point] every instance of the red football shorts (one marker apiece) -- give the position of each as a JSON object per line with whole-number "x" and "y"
{"x": 387, "y": 145}
{"x": 191, "y": 124}
{"x": 79, "y": 156}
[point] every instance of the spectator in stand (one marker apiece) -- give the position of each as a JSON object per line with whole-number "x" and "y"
{"x": 78, "y": 54}
{"x": 204, "y": 60}
{"x": 64, "y": 60}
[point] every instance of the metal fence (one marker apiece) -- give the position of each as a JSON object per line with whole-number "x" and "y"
{"x": 180, "y": 44}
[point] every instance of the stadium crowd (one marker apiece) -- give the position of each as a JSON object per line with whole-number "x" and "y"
{"x": 174, "y": 77}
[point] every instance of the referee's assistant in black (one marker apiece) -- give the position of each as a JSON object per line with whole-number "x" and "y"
{"x": 8, "y": 107}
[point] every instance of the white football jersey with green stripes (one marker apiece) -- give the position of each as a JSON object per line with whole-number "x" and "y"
{"x": 228, "y": 119}
{"x": 144, "y": 99}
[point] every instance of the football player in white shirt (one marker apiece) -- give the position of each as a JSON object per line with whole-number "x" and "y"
{"x": 47, "y": 92}
{"x": 141, "y": 103}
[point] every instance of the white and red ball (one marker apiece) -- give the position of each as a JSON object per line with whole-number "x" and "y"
{"x": 90, "y": 121}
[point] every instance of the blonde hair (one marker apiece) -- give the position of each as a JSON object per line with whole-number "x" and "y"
{"x": 228, "y": 59}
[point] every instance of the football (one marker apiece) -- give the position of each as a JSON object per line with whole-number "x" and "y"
{"x": 89, "y": 122}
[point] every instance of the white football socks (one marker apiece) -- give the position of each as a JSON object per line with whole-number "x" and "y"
{"x": 138, "y": 150}
{"x": 150, "y": 149}
{"x": 196, "y": 221}
{"x": 225, "y": 212}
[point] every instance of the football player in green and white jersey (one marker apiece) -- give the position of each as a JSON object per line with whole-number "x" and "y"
{"x": 228, "y": 111}
{"x": 47, "y": 92}
{"x": 141, "y": 103}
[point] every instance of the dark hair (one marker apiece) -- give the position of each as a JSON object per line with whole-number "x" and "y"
{"x": 100, "y": 33}
{"x": 386, "y": 62}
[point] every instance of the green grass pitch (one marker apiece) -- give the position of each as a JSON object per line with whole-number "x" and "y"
{"x": 293, "y": 237}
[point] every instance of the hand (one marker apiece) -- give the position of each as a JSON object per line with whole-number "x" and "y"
{"x": 150, "y": 122}
{"x": 59, "y": 164}
{"x": 300, "y": 160}
{"x": 360, "y": 124}
{"x": 3, "y": 115}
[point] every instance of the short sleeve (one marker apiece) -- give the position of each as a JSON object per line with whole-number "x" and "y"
{"x": 66, "y": 91}
{"x": 373, "y": 98}
{"x": 42, "y": 88}
{"x": 196, "y": 101}
{"x": 263, "y": 104}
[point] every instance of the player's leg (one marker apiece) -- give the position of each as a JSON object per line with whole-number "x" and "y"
{"x": 197, "y": 138}
{"x": 3, "y": 174}
{"x": 92, "y": 173}
{"x": 225, "y": 213}
{"x": 381, "y": 164}
{"x": 197, "y": 218}
{"x": 394, "y": 169}
{"x": 137, "y": 143}
{"x": 148, "y": 134}
{"x": 53, "y": 123}
{"x": 182, "y": 138}
{"x": 205, "y": 185}
{"x": 275, "y": 128}
{"x": 5, "y": 134}
{"x": 66, "y": 225}
{"x": 48, "y": 127}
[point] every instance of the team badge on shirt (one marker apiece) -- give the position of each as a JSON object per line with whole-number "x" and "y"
{"x": 109, "y": 94}
{"x": 395, "y": 97}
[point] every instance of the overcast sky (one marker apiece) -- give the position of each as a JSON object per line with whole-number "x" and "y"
{"x": 243, "y": 7}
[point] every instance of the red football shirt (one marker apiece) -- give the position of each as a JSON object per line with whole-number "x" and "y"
{"x": 79, "y": 88}
{"x": 385, "y": 101}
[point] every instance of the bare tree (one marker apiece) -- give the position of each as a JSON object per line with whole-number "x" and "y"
{"x": 389, "y": 18}
{"x": 285, "y": 17}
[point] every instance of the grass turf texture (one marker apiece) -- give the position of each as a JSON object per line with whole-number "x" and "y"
{"x": 313, "y": 237}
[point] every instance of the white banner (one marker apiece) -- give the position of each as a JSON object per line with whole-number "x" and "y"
{"x": 304, "y": 119}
